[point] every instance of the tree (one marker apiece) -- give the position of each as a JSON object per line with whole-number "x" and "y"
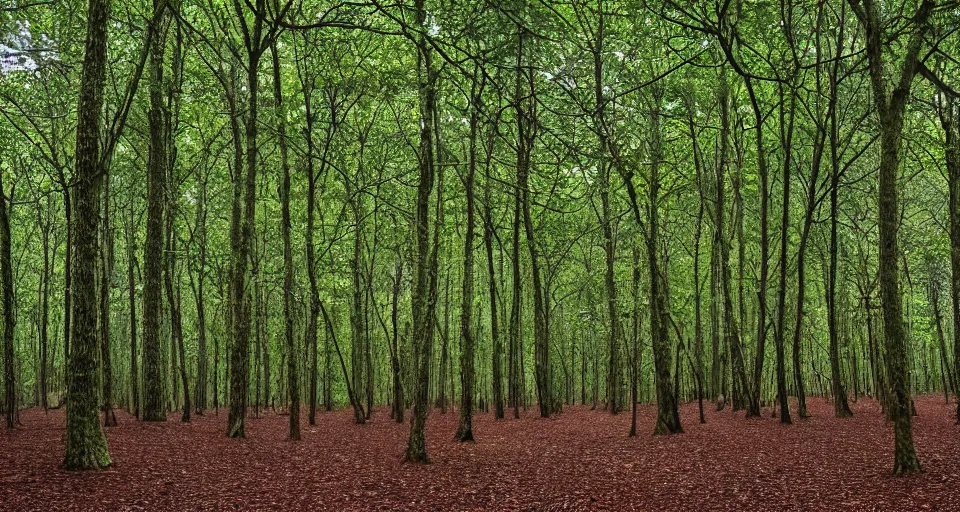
{"x": 153, "y": 242}
{"x": 86, "y": 446}
{"x": 293, "y": 379}
{"x": 9, "y": 319}
{"x": 890, "y": 101}
{"x": 467, "y": 371}
{"x": 425, "y": 257}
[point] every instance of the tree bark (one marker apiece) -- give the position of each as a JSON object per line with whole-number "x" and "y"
{"x": 293, "y": 380}
{"x": 467, "y": 371}
{"x": 153, "y": 243}
{"x": 668, "y": 416}
{"x": 891, "y": 106}
{"x": 949, "y": 111}
{"x": 241, "y": 234}
{"x": 9, "y": 318}
{"x": 424, "y": 256}
{"x": 86, "y": 446}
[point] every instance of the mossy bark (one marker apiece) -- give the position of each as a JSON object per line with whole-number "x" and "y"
{"x": 86, "y": 445}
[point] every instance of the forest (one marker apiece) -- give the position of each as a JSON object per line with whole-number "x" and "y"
{"x": 480, "y": 254}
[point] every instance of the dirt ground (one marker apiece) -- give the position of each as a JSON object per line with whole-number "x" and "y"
{"x": 579, "y": 460}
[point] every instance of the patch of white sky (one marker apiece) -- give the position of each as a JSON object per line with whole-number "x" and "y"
{"x": 20, "y": 49}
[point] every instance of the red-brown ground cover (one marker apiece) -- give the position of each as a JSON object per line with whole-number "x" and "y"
{"x": 580, "y": 460}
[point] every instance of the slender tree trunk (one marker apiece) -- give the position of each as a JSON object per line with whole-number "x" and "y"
{"x": 950, "y": 121}
{"x": 698, "y": 371}
{"x": 515, "y": 370}
{"x": 495, "y": 339}
{"x": 610, "y": 287}
{"x": 668, "y": 416}
{"x": 132, "y": 304}
{"x": 44, "y": 307}
{"x": 310, "y": 338}
{"x": 946, "y": 369}
{"x": 526, "y": 130}
{"x": 293, "y": 389}
{"x": 782, "y": 289}
{"x": 177, "y": 354}
{"x": 424, "y": 256}
{"x": 840, "y": 406}
{"x": 753, "y": 394}
{"x": 200, "y": 391}
{"x": 635, "y": 359}
{"x": 241, "y": 234}
{"x": 399, "y": 405}
{"x": 467, "y": 371}
{"x": 106, "y": 278}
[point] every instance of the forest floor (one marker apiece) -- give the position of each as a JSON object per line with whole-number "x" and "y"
{"x": 580, "y": 460}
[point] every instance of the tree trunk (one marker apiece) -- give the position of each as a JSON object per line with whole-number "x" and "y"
{"x": 399, "y": 405}
{"x": 465, "y": 429}
{"x": 293, "y": 390}
{"x": 424, "y": 256}
{"x": 526, "y": 130}
{"x": 86, "y": 446}
{"x": 782, "y": 289}
{"x": 241, "y": 233}
{"x": 950, "y": 121}
{"x": 132, "y": 304}
{"x": 200, "y": 228}
{"x": 310, "y": 338}
{"x": 668, "y": 416}
{"x": 840, "y": 406}
{"x": 891, "y": 106}
{"x": 610, "y": 286}
{"x": 153, "y": 243}
{"x": 496, "y": 341}
{"x": 106, "y": 283}
{"x": 9, "y": 319}
{"x": 753, "y": 394}
{"x": 45, "y": 306}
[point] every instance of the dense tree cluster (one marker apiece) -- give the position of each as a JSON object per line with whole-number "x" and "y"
{"x": 497, "y": 205}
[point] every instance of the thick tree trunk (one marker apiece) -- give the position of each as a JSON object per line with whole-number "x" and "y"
{"x": 86, "y": 446}
{"x": 153, "y": 378}
{"x": 9, "y": 318}
{"x": 891, "y": 106}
